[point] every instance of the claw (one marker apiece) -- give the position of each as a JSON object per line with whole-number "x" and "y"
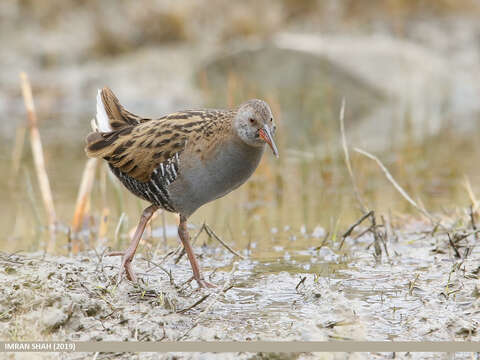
{"x": 125, "y": 266}
{"x": 205, "y": 284}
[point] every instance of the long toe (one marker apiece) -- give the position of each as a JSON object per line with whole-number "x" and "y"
{"x": 127, "y": 265}
{"x": 205, "y": 284}
{"x": 115, "y": 253}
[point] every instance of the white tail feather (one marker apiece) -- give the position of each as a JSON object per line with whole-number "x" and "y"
{"x": 103, "y": 124}
{"x": 93, "y": 124}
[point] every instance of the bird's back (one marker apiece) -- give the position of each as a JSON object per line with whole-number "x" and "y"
{"x": 149, "y": 155}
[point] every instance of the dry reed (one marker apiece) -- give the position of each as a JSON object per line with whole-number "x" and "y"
{"x": 37, "y": 151}
{"x": 84, "y": 192}
{"x": 395, "y": 184}
{"x": 347, "y": 159}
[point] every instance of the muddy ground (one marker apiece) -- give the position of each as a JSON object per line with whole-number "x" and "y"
{"x": 422, "y": 287}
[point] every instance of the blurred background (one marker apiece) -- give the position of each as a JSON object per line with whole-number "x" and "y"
{"x": 409, "y": 71}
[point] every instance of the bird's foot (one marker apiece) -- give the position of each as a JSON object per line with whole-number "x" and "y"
{"x": 205, "y": 284}
{"x": 125, "y": 266}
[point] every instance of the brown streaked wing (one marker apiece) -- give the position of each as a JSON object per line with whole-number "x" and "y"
{"x": 139, "y": 150}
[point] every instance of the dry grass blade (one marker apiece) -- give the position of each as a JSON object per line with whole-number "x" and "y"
{"x": 347, "y": 159}
{"x": 118, "y": 228}
{"x": 82, "y": 199}
{"x": 454, "y": 247}
{"x": 192, "y": 243}
{"x": 376, "y": 235}
{"x": 302, "y": 280}
{"x": 471, "y": 194}
{"x": 396, "y": 185}
{"x": 198, "y": 302}
{"x": 38, "y": 158}
{"x": 210, "y": 232}
{"x": 412, "y": 284}
{"x": 473, "y": 222}
{"x": 324, "y": 241}
{"x": 351, "y": 228}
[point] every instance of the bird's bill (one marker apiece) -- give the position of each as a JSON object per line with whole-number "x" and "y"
{"x": 266, "y": 135}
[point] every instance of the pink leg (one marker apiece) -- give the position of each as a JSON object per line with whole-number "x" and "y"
{"x": 128, "y": 255}
{"x": 185, "y": 237}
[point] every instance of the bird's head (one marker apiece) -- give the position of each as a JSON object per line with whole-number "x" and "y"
{"x": 254, "y": 124}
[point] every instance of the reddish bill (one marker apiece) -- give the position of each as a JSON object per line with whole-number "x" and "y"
{"x": 266, "y": 135}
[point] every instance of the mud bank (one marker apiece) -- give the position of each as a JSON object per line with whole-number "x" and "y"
{"x": 420, "y": 290}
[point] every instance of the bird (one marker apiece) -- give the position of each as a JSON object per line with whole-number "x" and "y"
{"x": 180, "y": 161}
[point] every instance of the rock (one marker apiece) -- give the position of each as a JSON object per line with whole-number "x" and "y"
{"x": 423, "y": 87}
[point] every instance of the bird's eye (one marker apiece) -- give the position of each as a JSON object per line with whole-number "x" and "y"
{"x": 271, "y": 119}
{"x": 252, "y": 121}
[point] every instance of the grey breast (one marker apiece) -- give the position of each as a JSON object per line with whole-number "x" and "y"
{"x": 201, "y": 181}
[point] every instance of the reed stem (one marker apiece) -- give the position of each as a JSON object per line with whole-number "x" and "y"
{"x": 37, "y": 151}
